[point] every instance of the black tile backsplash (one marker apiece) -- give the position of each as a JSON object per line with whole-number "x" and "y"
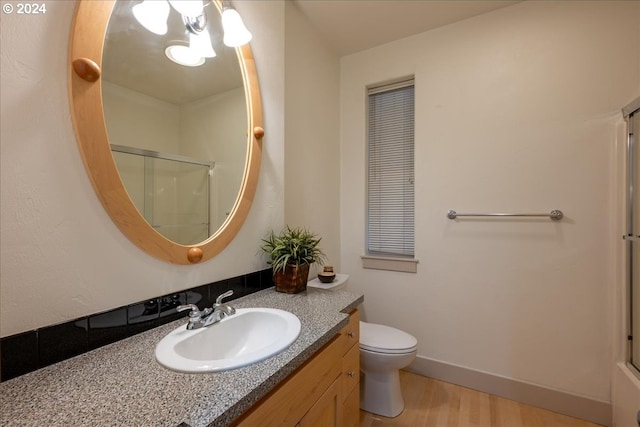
{"x": 141, "y": 316}
{"x": 60, "y": 342}
{"x": 168, "y": 304}
{"x": 200, "y": 296}
{"x": 28, "y": 351}
{"x": 19, "y": 354}
{"x": 105, "y": 328}
{"x": 253, "y": 281}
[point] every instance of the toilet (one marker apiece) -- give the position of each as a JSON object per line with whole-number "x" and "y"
{"x": 383, "y": 352}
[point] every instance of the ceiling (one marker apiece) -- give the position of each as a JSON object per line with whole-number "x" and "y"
{"x": 134, "y": 57}
{"x": 353, "y": 25}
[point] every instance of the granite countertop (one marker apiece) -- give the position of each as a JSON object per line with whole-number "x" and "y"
{"x": 121, "y": 384}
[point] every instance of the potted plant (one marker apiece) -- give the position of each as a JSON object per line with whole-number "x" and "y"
{"x": 291, "y": 253}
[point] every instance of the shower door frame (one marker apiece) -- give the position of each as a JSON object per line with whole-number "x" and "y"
{"x": 149, "y": 154}
{"x": 629, "y": 112}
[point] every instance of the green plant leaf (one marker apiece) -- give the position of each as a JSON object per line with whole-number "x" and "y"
{"x": 292, "y": 245}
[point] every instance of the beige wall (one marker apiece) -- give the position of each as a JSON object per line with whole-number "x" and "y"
{"x": 516, "y": 111}
{"x": 61, "y": 255}
{"x": 141, "y": 121}
{"x": 137, "y": 120}
{"x": 216, "y": 128}
{"x": 312, "y": 149}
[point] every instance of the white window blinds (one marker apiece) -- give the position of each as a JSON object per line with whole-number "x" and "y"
{"x": 390, "y": 174}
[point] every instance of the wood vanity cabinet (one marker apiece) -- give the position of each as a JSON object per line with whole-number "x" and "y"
{"x": 350, "y": 377}
{"x": 323, "y": 392}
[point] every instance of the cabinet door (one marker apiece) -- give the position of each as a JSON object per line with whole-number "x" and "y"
{"x": 351, "y": 409}
{"x": 296, "y": 396}
{"x": 327, "y": 411}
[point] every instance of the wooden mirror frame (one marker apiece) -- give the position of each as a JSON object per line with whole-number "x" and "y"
{"x": 85, "y": 91}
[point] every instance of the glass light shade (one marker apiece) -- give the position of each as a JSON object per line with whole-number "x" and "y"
{"x": 183, "y": 55}
{"x": 191, "y": 8}
{"x": 200, "y": 44}
{"x": 235, "y": 33}
{"x": 152, "y": 15}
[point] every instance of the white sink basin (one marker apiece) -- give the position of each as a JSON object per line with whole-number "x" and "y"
{"x": 249, "y": 336}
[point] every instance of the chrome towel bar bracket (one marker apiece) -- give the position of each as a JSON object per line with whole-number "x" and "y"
{"x": 555, "y": 214}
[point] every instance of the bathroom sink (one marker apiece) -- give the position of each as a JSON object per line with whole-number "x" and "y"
{"x": 249, "y": 336}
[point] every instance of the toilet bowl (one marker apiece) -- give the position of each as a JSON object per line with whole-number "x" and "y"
{"x": 383, "y": 352}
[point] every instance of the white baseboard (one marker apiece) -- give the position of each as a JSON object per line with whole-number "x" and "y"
{"x": 592, "y": 410}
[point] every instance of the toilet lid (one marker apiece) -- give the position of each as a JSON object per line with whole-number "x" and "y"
{"x": 385, "y": 339}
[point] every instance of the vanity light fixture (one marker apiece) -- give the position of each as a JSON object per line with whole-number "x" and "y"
{"x": 182, "y": 54}
{"x": 190, "y": 8}
{"x": 200, "y": 44}
{"x": 199, "y": 47}
{"x": 235, "y": 32}
{"x": 199, "y": 38}
{"x": 152, "y": 15}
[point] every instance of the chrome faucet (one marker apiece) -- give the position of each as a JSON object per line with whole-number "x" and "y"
{"x": 196, "y": 316}
{"x": 208, "y": 316}
{"x": 220, "y": 310}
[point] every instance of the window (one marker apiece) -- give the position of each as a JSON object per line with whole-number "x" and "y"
{"x": 390, "y": 173}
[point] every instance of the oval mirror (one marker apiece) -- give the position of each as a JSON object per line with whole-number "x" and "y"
{"x": 173, "y": 151}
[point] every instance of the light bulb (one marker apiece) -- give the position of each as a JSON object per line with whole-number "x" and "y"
{"x": 190, "y": 8}
{"x": 200, "y": 43}
{"x": 183, "y": 55}
{"x": 235, "y": 33}
{"x": 152, "y": 15}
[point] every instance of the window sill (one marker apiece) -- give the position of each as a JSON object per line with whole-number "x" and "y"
{"x": 405, "y": 265}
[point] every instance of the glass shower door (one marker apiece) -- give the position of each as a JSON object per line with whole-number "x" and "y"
{"x": 633, "y": 236}
{"x": 173, "y": 193}
{"x": 177, "y": 200}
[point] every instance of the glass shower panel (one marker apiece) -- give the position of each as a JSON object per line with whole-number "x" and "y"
{"x": 172, "y": 193}
{"x": 132, "y": 172}
{"x": 634, "y": 147}
{"x": 178, "y": 200}
{"x": 634, "y": 289}
{"x": 635, "y": 305}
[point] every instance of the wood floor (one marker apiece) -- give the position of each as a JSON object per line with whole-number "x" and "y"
{"x": 434, "y": 403}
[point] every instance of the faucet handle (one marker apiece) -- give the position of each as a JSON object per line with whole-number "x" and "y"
{"x": 195, "y": 315}
{"x": 195, "y": 311}
{"x": 225, "y": 295}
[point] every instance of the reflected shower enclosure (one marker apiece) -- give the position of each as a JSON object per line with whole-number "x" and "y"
{"x": 182, "y": 118}
{"x": 632, "y": 236}
{"x": 173, "y": 193}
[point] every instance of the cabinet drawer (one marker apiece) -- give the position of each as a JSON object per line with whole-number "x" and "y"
{"x": 351, "y": 332}
{"x": 350, "y": 371}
